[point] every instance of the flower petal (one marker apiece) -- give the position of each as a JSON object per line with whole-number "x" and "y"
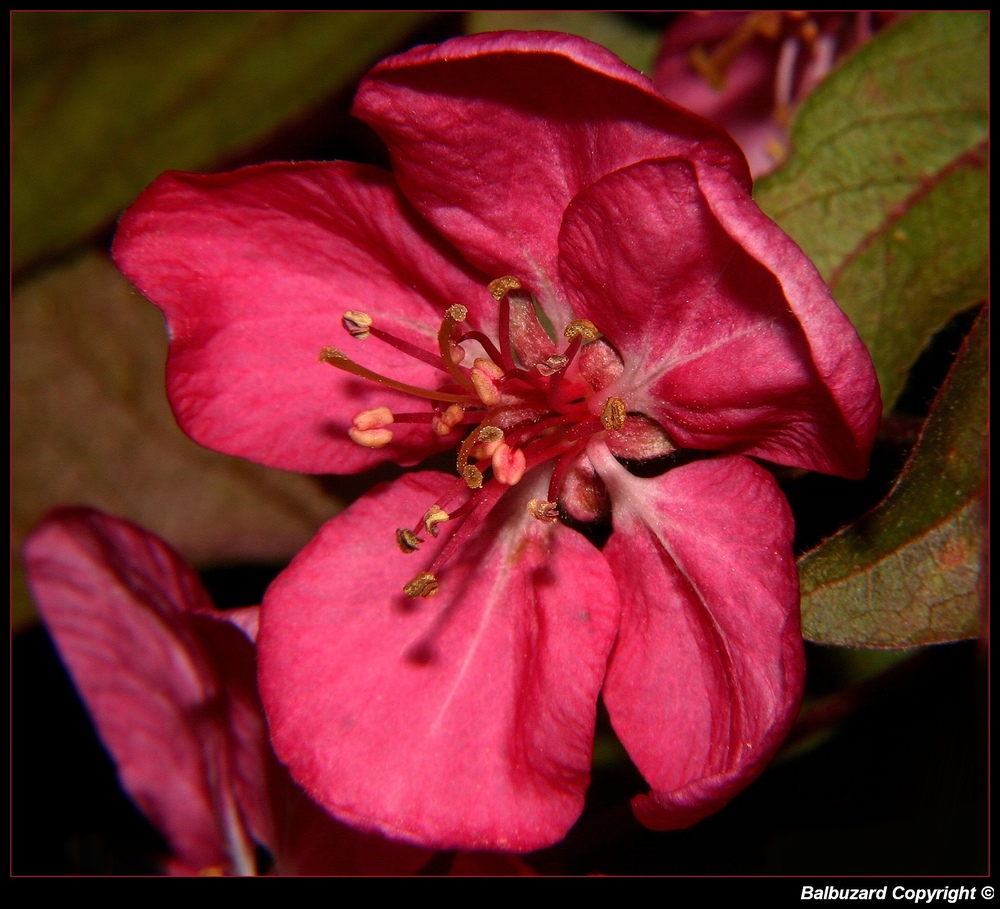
{"x": 254, "y": 270}
{"x": 115, "y": 600}
{"x": 464, "y": 720}
{"x": 492, "y": 135}
{"x": 728, "y": 344}
{"x": 707, "y": 672}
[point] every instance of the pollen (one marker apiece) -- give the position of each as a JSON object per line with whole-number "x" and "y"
{"x": 551, "y": 365}
{"x": 502, "y": 286}
{"x": 546, "y": 512}
{"x": 582, "y": 328}
{"x": 407, "y": 540}
{"x": 435, "y": 515}
{"x": 458, "y": 313}
{"x": 473, "y": 476}
{"x": 613, "y": 414}
{"x": 423, "y": 585}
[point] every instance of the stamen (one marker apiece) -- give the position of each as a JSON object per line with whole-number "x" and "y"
{"x": 502, "y": 286}
{"x": 444, "y": 423}
{"x": 453, "y": 315}
{"x": 435, "y": 515}
{"x": 407, "y": 540}
{"x": 473, "y": 476}
{"x": 484, "y": 433}
{"x": 546, "y": 512}
{"x": 369, "y": 427}
{"x": 360, "y": 325}
{"x": 509, "y": 464}
{"x": 423, "y": 585}
{"x": 552, "y": 365}
{"x": 485, "y": 375}
{"x": 582, "y": 328}
{"x": 613, "y": 415}
{"x": 335, "y": 358}
{"x": 488, "y": 439}
{"x": 356, "y": 323}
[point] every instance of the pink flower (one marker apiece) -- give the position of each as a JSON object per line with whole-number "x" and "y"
{"x": 430, "y": 664}
{"x": 748, "y": 71}
{"x": 170, "y": 683}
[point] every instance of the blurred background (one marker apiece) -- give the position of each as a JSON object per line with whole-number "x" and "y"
{"x": 886, "y": 771}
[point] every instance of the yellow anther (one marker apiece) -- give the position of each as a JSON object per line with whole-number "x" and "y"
{"x": 444, "y": 423}
{"x": 423, "y": 585}
{"x": 546, "y": 512}
{"x": 435, "y": 515}
{"x": 374, "y": 418}
{"x": 551, "y": 365}
{"x": 502, "y": 286}
{"x": 473, "y": 476}
{"x": 458, "y": 312}
{"x": 407, "y": 540}
{"x": 485, "y": 375}
{"x": 583, "y": 327}
{"x": 613, "y": 414}
{"x": 356, "y": 323}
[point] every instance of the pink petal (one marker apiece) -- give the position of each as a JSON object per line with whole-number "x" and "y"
{"x": 839, "y": 355}
{"x": 706, "y": 322}
{"x": 707, "y": 672}
{"x": 115, "y": 598}
{"x": 464, "y": 720}
{"x": 254, "y": 270}
{"x": 492, "y": 135}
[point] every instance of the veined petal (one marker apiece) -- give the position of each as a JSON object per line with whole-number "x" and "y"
{"x": 839, "y": 355}
{"x": 707, "y": 672}
{"x": 492, "y": 135}
{"x": 708, "y": 324}
{"x": 115, "y": 600}
{"x": 464, "y": 720}
{"x": 254, "y": 270}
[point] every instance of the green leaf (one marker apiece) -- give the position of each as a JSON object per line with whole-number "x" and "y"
{"x": 91, "y": 426}
{"x": 886, "y": 188}
{"x": 103, "y": 102}
{"x": 910, "y": 572}
{"x": 636, "y": 45}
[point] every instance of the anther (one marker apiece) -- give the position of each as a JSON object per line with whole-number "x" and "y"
{"x": 582, "y": 328}
{"x": 546, "y": 512}
{"x": 356, "y": 323}
{"x": 423, "y": 585}
{"x": 369, "y": 427}
{"x": 444, "y": 423}
{"x": 613, "y": 414}
{"x": 485, "y": 375}
{"x": 473, "y": 476}
{"x": 502, "y": 286}
{"x": 486, "y": 441}
{"x": 551, "y": 365}
{"x": 407, "y": 540}
{"x": 457, "y": 313}
{"x": 509, "y": 464}
{"x": 435, "y": 515}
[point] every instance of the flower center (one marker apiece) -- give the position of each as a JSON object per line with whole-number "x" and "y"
{"x": 520, "y": 404}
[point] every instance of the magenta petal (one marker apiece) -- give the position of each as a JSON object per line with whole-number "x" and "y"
{"x": 116, "y": 601}
{"x": 707, "y": 673}
{"x": 464, "y": 720}
{"x": 254, "y": 270}
{"x": 542, "y": 115}
{"x": 729, "y": 341}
